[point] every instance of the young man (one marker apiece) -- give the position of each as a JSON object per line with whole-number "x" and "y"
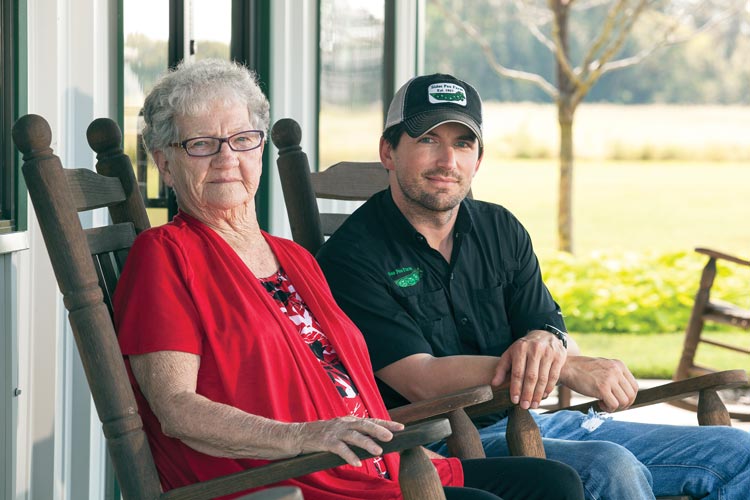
{"x": 448, "y": 294}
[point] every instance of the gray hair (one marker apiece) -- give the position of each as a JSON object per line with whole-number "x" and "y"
{"x": 190, "y": 89}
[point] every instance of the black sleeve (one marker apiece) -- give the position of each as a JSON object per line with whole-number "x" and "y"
{"x": 530, "y": 305}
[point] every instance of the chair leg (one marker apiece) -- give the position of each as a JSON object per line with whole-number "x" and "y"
{"x": 464, "y": 442}
{"x": 711, "y": 409}
{"x": 522, "y": 434}
{"x": 418, "y": 478}
{"x": 563, "y": 396}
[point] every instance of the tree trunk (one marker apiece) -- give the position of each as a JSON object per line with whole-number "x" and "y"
{"x": 565, "y": 195}
{"x": 565, "y": 111}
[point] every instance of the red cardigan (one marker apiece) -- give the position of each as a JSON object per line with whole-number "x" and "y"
{"x": 184, "y": 289}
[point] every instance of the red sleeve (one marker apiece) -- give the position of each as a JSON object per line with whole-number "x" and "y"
{"x": 153, "y": 306}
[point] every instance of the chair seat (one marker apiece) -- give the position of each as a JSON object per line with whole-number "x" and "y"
{"x": 724, "y": 312}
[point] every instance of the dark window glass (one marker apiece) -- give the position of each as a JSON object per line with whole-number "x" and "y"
{"x": 8, "y": 158}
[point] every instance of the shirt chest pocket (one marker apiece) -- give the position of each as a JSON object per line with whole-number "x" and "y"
{"x": 494, "y": 333}
{"x": 432, "y": 312}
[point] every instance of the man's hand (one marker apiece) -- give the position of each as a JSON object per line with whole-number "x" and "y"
{"x": 601, "y": 378}
{"x": 534, "y": 363}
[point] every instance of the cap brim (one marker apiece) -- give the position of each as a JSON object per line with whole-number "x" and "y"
{"x": 422, "y": 123}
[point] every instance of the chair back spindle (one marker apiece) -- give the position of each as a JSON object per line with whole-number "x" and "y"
{"x": 56, "y": 204}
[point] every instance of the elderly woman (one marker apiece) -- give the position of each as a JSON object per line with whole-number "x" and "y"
{"x": 237, "y": 352}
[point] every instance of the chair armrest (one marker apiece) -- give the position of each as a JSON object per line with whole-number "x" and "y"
{"x": 675, "y": 390}
{"x": 719, "y": 255}
{"x": 435, "y": 407}
{"x": 279, "y": 493}
{"x": 522, "y": 434}
{"x": 464, "y": 442}
{"x": 500, "y": 401}
{"x": 411, "y": 437}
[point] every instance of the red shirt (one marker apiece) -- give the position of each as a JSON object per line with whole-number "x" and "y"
{"x": 290, "y": 303}
{"x": 184, "y": 289}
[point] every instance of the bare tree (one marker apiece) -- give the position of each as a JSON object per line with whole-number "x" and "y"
{"x": 549, "y": 22}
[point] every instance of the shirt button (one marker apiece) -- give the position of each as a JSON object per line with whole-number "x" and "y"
{"x": 464, "y": 320}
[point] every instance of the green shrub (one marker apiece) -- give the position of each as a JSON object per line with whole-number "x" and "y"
{"x": 635, "y": 293}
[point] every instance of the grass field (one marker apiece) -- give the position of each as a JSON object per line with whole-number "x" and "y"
{"x": 657, "y": 355}
{"x": 611, "y": 131}
{"x": 628, "y": 206}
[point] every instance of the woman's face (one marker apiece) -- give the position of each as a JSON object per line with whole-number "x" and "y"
{"x": 213, "y": 186}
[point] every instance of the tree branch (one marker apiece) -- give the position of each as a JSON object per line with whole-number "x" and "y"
{"x": 531, "y": 17}
{"x": 668, "y": 39}
{"x": 604, "y": 35}
{"x": 489, "y": 54}
{"x": 595, "y": 71}
{"x": 560, "y": 55}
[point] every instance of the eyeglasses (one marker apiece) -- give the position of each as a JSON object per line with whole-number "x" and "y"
{"x": 246, "y": 140}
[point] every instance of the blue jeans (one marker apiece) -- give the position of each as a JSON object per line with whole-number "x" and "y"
{"x": 631, "y": 461}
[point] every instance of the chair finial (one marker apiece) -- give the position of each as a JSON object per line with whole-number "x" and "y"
{"x": 32, "y": 134}
{"x": 103, "y": 135}
{"x": 286, "y": 133}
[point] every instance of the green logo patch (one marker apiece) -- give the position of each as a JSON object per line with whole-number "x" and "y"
{"x": 405, "y": 277}
{"x": 441, "y": 93}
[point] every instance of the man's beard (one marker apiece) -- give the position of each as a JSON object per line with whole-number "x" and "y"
{"x": 436, "y": 202}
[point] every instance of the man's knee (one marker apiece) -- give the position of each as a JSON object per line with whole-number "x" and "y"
{"x": 609, "y": 460}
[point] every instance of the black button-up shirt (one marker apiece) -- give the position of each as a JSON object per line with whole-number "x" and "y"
{"x": 407, "y": 299}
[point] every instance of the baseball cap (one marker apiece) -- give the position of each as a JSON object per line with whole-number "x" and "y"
{"x": 424, "y": 102}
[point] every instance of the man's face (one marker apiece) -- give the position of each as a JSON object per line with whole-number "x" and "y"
{"x": 432, "y": 172}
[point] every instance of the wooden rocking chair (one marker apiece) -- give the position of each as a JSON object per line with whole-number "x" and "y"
{"x": 708, "y": 309}
{"x": 87, "y": 264}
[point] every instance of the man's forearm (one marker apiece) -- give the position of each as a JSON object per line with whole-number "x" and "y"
{"x": 573, "y": 348}
{"x": 422, "y": 376}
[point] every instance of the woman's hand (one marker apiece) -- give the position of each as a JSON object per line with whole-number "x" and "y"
{"x": 337, "y": 435}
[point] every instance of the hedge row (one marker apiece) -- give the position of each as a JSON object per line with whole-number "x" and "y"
{"x": 636, "y": 293}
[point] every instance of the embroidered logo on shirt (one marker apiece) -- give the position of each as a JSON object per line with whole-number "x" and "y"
{"x": 406, "y": 276}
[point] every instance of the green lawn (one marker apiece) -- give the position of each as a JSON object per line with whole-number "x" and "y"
{"x": 628, "y": 206}
{"x": 657, "y": 355}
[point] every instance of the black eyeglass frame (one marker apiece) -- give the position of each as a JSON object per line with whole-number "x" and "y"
{"x": 221, "y": 140}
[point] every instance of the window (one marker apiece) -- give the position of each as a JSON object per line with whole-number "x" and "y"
{"x": 351, "y": 80}
{"x": 158, "y": 35}
{"x": 11, "y": 207}
{"x": 145, "y": 58}
{"x": 211, "y": 28}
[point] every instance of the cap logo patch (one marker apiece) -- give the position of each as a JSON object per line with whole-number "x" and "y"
{"x": 442, "y": 93}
